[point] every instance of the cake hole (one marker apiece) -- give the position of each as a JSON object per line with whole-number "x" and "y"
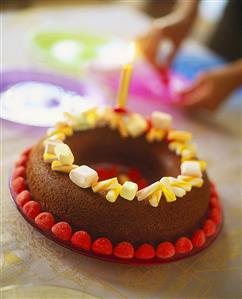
{"x": 105, "y": 148}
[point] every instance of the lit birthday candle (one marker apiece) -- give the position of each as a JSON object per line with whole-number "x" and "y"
{"x": 125, "y": 78}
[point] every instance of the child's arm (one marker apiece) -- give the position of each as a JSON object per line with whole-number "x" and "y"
{"x": 212, "y": 87}
{"x": 174, "y": 27}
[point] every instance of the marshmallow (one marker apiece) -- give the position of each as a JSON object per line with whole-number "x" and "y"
{"x": 129, "y": 190}
{"x": 49, "y": 158}
{"x": 161, "y": 120}
{"x": 50, "y": 146}
{"x": 113, "y": 194}
{"x": 154, "y": 199}
{"x": 83, "y": 176}
{"x": 136, "y": 125}
{"x": 147, "y": 191}
{"x": 167, "y": 190}
{"x": 64, "y": 154}
{"x": 179, "y": 192}
{"x": 202, "y": 164}
{"x": 58, "y": 136}
{"x": 191, "y": 168}
{"x": 58, "y": 166}
{"x": 181, "y": 136}
{"x": 106, "y": 185}
{"x": 196, "y": 182}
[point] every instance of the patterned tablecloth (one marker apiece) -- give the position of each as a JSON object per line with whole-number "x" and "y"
{"x": 29, "y": 258}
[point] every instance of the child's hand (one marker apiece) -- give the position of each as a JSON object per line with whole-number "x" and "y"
{"x": 173, "y": 27}
{"x": 149, "y": 43}
{"x": 211, "y": 88}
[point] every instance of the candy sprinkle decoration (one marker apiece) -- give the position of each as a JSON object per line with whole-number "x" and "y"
{"x": 131, "y": 186}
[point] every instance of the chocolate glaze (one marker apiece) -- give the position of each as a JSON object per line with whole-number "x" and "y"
{"x": 136, "y": 222}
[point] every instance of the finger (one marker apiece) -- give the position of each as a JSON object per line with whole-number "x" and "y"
{"x": 197, "y": 84}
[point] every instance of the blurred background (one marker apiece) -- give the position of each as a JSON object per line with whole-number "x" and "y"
{"x": 88, "y": 41}
{"x": 210, "y": 12}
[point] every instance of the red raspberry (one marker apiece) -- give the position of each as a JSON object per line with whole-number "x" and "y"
{"x": 215, "y": 215}
{"x": 124, "y": 250}
{"x": 165, "y": 250}
{"x": 19, "y": 171}
{"x": 102, "y": 246}
{"x": 18, "y": 185}
{"x": 142, "y": 183}
{"x": 102, "y": 174}
{"x": 27, "y": 151}
{"x": 45, "y": 220}
{"x": 62, "y": 230}
{"x": 22, "y": 161}
{"x": 82, "y": 240}
{"x": 209, "y": 228}
{"x": 149, "y": 124}
{"x": 145, "y": 252}
{"x": 183, "y": 245}
{"x": 31, "y": 209}
{"x": 120, "y": 110}
{"x": 215, "y": 203}
{"x": 134, "y": 174}
{"x": 23, "y": 197}
{"x": 113, "y": 172}
{"x": 198, "y": 238}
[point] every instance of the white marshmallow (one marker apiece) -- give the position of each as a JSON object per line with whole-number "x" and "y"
{"x": 50, "y": 146}
{"x": 128, "y": 190}
{"x": 84, "y": 176}
{"x": 191, "y": 168}
{"x": 161, "y": 120}
{"x": 136, "y": 125}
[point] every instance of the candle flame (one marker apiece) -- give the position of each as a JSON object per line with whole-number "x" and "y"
{"x": 131, "y": 52}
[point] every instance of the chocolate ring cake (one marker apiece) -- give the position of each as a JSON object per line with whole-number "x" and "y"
{"x": 116, "y": 183}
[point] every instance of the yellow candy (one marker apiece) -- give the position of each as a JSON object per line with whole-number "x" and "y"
{"x": 155, "y": 134}
{"x": 64, "y": 154}
{"x": 49, "y": 158}
{"x": 113, "y": 194}
{"x": 189, "y": 151}
{"x": 122, "y": 178}
{"x": 150, "y": 136}
{"x": 177, "y": 147}
{"x": 136, "y": 125}
{"x": 181, "y": 136}
{"x": 57, "y": 166}
{"x": 105, "y": 185}
{"x": 154, "y": 199}
{"x": 129, "y": 190}
{"x": 180, "y": 184}
{"x": 121, "y": 127}
{"x": 147, "y": 191}
{"x": 196, "y": 182}
{"x": 167, "y": 190}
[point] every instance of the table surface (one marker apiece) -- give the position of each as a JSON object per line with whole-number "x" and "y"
{"x": 27, "y": 257}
